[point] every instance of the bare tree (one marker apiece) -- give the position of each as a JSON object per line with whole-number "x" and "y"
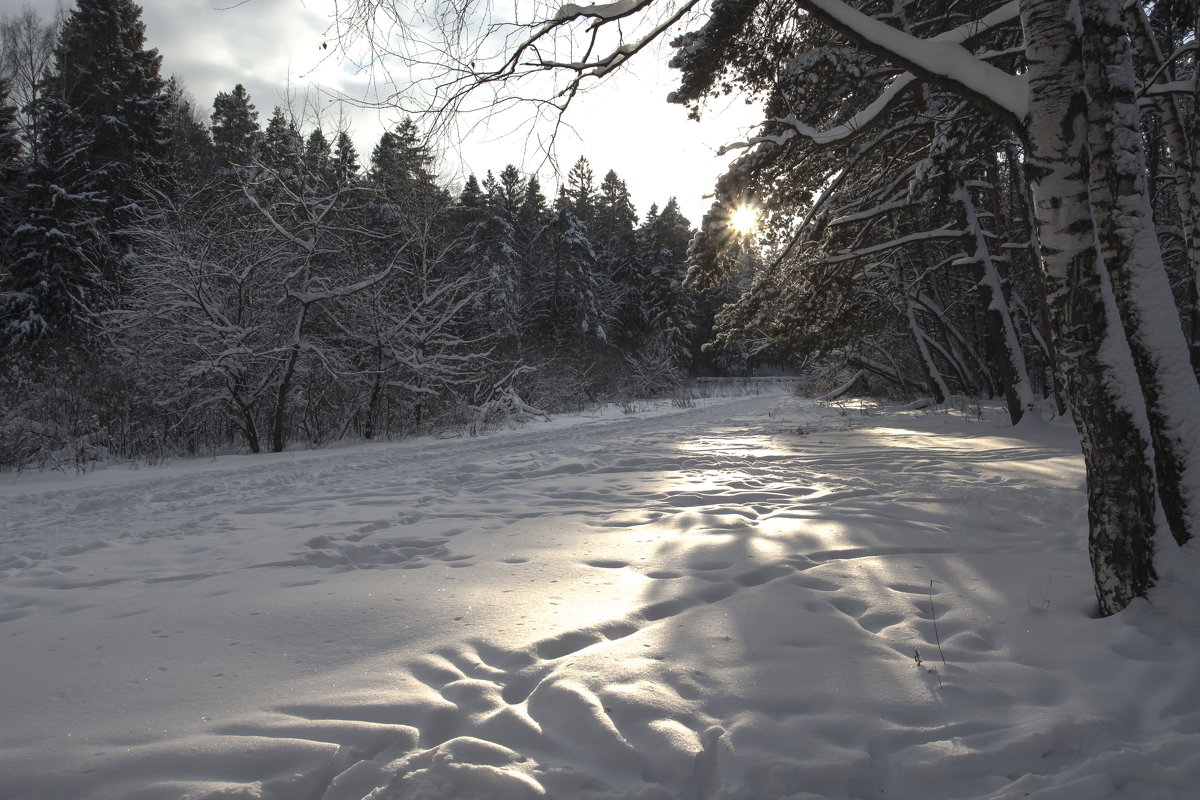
{"x": 26, "y": 54}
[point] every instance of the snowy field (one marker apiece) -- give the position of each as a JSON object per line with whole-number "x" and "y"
{"x": 679, "y": 604}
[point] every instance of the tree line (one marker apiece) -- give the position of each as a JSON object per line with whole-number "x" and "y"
{"x": 176, "y": 283}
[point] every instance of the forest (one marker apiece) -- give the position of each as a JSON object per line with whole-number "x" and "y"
{"x": 995, "y": 200}
{"x": 326, "y": 475}
{"x": 182, "y": 282}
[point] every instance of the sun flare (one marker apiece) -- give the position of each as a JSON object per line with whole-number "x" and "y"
{"x": 744, "y": 219}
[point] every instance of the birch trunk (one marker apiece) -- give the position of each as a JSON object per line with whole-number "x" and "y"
{"x": 1093, "y": 356}
{"x": 1133, "y": 261}
{"x": 1184, "y": 150}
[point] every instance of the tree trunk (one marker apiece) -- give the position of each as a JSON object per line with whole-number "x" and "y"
{"x": 1002, "y": 336}
{"x": 376, "y": 391}
{"x": 933, "y": 377}
{"x": 1133, "y": 261}
{"x": 1023, "y": 194}
{"x": 246, "y": 414}
{"x": 279, "y": 416}
{"x": 1093, "y": 357}
{"x": 1185, "y": 165}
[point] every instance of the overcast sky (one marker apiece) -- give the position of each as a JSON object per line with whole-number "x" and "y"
{"x": 269, "y": 45}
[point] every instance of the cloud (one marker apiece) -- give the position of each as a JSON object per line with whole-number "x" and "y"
{"x": 273, "y": 48}
{"x": 265, "y": 45}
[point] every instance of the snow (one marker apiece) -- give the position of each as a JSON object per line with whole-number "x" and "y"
{"x": 605, "y": 11}
{"x": 724, "y": 601}
{"x": 943, "y": 54}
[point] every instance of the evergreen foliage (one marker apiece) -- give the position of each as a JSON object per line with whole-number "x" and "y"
{"x": 207, "y": 284}
{"x": 235, "y": 129}
{"x": 103, "y": 139}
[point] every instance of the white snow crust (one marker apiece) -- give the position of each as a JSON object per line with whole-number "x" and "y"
{"x": 722, "y": 602}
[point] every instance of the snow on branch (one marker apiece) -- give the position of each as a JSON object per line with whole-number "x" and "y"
{"x": 601, "y": 11}
{"x": 1185, "y": 87}
{"x": 942, "y": 58}
{"x": 947, "y": 232}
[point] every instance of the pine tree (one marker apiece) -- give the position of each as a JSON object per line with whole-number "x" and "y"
{"x": 345, "y": 160}
{"x": 235, "y": 126}
{"x": 401, "y": 166}
{"x": 282, "y": 147}
{"x": 666, "y": 309}
{"x": 103, "y": 114}
{"x": 581, "y": 189}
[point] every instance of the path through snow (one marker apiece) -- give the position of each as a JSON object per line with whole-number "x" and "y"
{"x": 719, "y": 602}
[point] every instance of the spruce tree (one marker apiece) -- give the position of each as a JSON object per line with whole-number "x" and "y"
{"x": 581, "y": 189}
{"x": 401, "y": 166}
{"x": 666, "y": 309}
{"x": 317, "y": 154}
{"x": 472, "y": 194}
{"x": 10, "y": 175}
{"x": 104, "y": 138}
{"x": 612, "y": 233}
{"x": 282, "y": 147}
{"x": 235, "y": 126}
{"x": 345, "y": 160}
{"x": 510, "y": 193}
{"x": 189, "y": 144}
{"x": 569, "y": 298}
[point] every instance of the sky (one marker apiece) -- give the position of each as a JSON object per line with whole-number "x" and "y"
{"x": 273, "y": 47}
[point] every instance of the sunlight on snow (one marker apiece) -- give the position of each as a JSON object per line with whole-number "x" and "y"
{"x": 1006, "y": 458}
{"x": 757, "y": 446}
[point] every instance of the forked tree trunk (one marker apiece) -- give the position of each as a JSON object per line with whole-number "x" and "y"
{"x": 1133, "y": 261}
{"x": 279, "y": 416}
{"x": 1093, "y": 356}
{"x": 933, "y": 376}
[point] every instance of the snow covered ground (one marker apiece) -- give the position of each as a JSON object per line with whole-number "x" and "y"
{"x": 718, "y": 602}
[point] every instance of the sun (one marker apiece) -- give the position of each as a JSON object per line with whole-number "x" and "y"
{"x": 744, "y": 219}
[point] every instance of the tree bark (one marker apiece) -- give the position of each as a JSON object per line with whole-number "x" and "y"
{"x": 1093, "y": 356}
{"x": 279, "y": 416}
{"x": 1002, "y": 336}
{"x": 1133, "y": 261}
{"x": 1184, "y": 152}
